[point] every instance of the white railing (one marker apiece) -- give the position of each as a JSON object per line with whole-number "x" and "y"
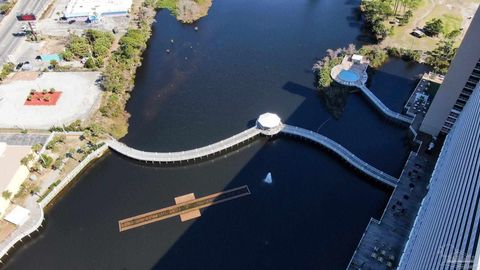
{"x": 184, "y": 155}
{"x": 342, "y": 152}
{"x": 385, "y": 109}
{"x": 70, "y": 176}
{"x": 34, "y": 222}
{"x": 36, "y": 210}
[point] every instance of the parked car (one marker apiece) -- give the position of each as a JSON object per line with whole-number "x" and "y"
{"x": 418, "y": 33}
{"x": 71, "y": 21}
{"x": 19, "y": 34}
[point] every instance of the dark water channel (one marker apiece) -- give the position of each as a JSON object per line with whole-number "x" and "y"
{"x": 248, "y": 57}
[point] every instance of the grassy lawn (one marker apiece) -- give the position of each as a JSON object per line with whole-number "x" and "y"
{"x": 454, "y": 14}
{"x": 168, "y": 4}
{"x": 451, "y": 22}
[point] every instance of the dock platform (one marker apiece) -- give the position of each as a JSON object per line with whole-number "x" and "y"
{"x": 186, "y": 205}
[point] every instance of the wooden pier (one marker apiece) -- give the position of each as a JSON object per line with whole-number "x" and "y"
{"x": 186, "y": 207}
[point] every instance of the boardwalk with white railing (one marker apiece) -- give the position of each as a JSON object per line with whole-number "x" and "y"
{"x": 225, "y": 145}
{"x": 184, "y": 156}
{"x": 384, "y": 109}
{"x": 342, "y": 152}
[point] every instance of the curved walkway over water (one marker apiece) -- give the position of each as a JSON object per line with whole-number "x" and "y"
{"x": 342, "y": 152}
{"x": 224, "y": 145}
{"x": 359, "y": 80}
{"x": 385, "y": 110}
{"x": 184, "y": 156}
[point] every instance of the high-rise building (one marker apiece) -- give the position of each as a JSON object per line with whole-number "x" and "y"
{"x": 446, "y": 231}
{"x": 462, "y": 78}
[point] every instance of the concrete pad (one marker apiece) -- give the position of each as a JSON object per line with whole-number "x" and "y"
{"x": 80, "y": 96}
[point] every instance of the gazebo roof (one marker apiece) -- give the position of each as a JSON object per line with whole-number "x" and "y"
{"x": 269, "y": 120}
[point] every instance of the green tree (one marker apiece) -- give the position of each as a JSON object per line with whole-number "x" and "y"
{"x": 433, "y": 27}
{"x": 25, "y": 160}
{"x": 67, "y": 55}
{"x": 37, "y": 147}
{"x": 6, "y": 70}
{"x": 79, "y": 46}
{"x": 6, "y": 194}
{"x": 58, "y": 163}
{"x": 90, "y": 63}
{"x": 380, "y": 30}
{"x": 454, "y": 34}
{"x": 441, "y": 57}
{"x": 376, "y": 55}
{"x": 46, "y": 161}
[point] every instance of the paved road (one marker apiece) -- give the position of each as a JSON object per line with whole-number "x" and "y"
{"x": 9, "y": 25}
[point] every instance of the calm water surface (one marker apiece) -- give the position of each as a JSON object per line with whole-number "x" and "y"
{"x": 248, "y": 57}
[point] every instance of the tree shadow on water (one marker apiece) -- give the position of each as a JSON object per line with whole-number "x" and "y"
{"x": 334, "y": 98}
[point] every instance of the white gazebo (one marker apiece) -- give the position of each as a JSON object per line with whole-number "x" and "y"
{"x": 269, "y": 123}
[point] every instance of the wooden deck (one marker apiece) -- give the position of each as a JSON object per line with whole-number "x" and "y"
{"x": 185, "y": 205}
{"x": 189, "y": 215}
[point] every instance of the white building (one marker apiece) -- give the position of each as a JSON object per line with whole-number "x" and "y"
{"x": 97, "y": 8}
{"x": 12, "y": 173}
{"x": 446, "y": 232}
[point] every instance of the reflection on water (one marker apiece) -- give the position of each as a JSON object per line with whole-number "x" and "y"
{"x": 334, "y": 98}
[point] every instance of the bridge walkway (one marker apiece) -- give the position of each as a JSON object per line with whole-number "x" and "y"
{"x": 343, "y": 153}
{"x": 385, "y": 110}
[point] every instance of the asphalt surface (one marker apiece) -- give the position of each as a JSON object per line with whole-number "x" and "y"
{"x": 9, "y": 25}
{"x": 23, "y": 139}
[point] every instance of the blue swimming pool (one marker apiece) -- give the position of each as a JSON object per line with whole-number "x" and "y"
{"x": 348, "y": 76}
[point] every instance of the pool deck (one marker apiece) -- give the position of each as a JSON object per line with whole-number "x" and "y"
{"x": 383, "y": 241}
{"x": 360, "y": 69}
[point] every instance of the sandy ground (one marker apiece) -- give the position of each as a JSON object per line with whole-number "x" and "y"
{"x": 80, "y": 96}
{"x": 6, "y": 228}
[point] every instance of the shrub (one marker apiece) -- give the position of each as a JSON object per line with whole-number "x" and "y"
{"x": 6, "y": 70}
{"x": 45, "y": 161}
{"x": 67, "y": 55}
{"x": 433, "y": 27}
{"x": 377, "y": 56}
{"x": 57, "y": 164}
{"x": 37, "y": 147}
{"x": 6, "y": 194}
{"x": 90, "y": 63}
{"x": 25, "y": 160}
{"x": 79, "y": 46}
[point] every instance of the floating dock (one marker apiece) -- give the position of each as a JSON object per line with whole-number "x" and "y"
{"x": 187, "y": 207}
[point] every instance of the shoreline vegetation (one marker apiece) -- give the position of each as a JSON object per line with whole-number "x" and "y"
{"x": 383, "y": 17}
{"x": 334, "y": 95}
{"x": 120, "y": 69}
{"x": 119, "y": 75}
{"x": 186, "y": 11}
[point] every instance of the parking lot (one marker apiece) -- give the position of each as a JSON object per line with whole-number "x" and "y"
{"x": 23, "y": 139}
{"x": 80, "y": 97}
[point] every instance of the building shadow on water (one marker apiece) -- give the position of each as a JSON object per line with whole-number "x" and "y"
{"x": 334, "y": 98}
{"x": 300, "y": 221}
{"x": 283, "y": 225}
